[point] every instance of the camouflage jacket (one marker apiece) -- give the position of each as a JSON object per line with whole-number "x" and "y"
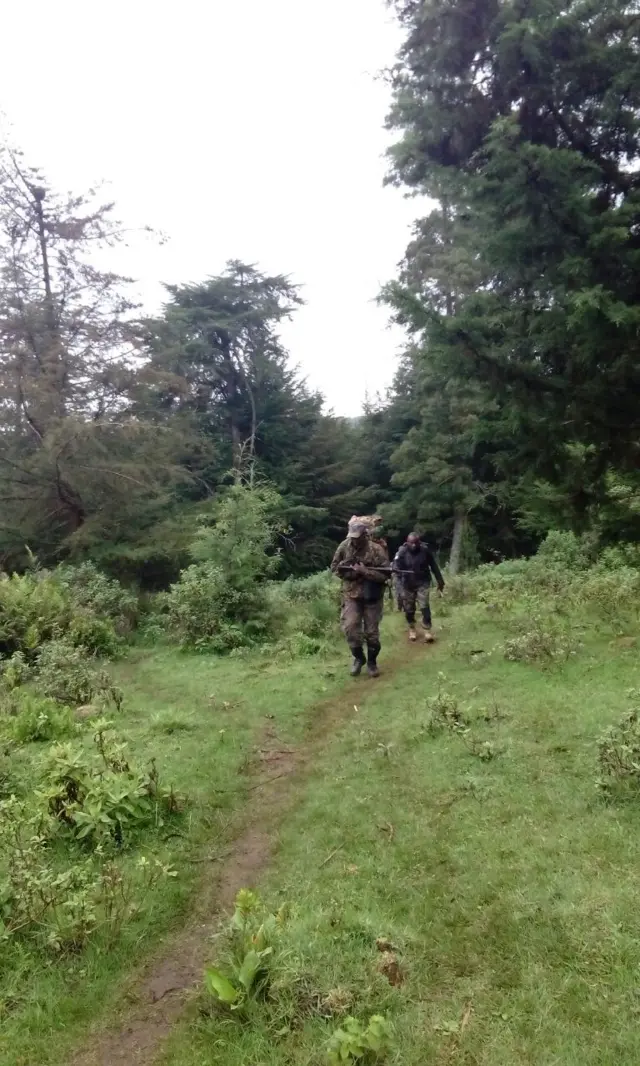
{"x": 367, "y": 552}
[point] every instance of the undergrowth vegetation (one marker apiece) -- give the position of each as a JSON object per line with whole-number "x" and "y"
{"x": 90, "y": 827}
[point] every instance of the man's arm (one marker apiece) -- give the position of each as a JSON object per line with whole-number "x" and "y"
{"x": 337, "y": 558}
{"x": 435, "y": 569}
{"x": 379, "y": 558}
{"x": 399, "y": 561}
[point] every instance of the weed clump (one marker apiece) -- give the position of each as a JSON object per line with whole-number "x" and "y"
{"x": 61, "y": 907}
{"x": 544, "y": 640}
{"x": 68, "y": 674}
{"x": 100, "y": 798}
{"x": 445, "y": 711}
{"x": 356, "y": 1043}
{"x": 619, "y": 756}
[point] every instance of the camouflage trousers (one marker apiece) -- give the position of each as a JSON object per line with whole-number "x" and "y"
{"x": 397, "y": 591}
{"x": 360, "y": 622}
{"x": 419, "y": 597}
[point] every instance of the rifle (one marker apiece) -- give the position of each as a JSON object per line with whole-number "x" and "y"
{"x": 388, "y": 570}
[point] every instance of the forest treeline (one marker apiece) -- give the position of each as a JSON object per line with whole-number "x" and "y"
{"x": 514, "y": 408}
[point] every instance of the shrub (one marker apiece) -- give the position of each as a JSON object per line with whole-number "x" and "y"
{"x": 544, "y": 640}
{"x": 95, "y": 635}
{"x": 61, "y": 906}
{"x": 102, "y": 798}
{"x": 206, "y": 612}
{"x": 563, "y": 550}
{"x": 619, "y": 756}
{"x": 15, "y": 671}
{"x": 612, "y": 595}
{"x": 68, "y": 674}
{"x": 77, "y": 603}
{"x": 34, "y": 607}
{"x": 221, "y": 602}
{"x": 460, "y": 588}
{"x": 38, "y": 718}
{"x": 445, "y": 711}
{"x": 306, "y": 611}
{"x": 103, "y": 597}
{"x": 622, "y": 555}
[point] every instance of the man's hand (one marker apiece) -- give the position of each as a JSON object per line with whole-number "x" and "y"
{"x": 440, "y": 590}
{"x": 359, "y": 568}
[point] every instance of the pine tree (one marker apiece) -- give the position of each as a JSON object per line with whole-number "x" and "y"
{"x": 534, "y": 114}
{"x": 71, "y": 458}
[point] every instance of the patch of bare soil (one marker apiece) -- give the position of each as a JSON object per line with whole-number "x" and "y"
{"x": 157, "y": 995}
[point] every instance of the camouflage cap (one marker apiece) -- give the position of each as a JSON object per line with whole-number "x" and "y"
{"x": 357, "y": 529}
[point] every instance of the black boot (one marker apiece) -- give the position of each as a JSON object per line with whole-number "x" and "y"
{"x": 358, "y": 661}
{"x": 372, "y": 660}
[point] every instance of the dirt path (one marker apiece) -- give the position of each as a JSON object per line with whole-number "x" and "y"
{"x": 157, "y": 995}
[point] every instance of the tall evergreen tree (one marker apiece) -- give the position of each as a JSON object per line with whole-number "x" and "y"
{"x": 533, "y": 112}
{"x": 71, "y": 458}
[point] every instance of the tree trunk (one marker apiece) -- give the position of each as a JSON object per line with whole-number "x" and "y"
{"x": 459, "y": 522}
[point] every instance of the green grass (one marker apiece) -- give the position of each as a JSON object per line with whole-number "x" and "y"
{"x": 507, "y": 885}
{"x": 201, "y": 718}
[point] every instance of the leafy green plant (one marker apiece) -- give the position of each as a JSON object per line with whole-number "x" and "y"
{"x": 221, "y": 602}
{"x": 34, "y": 607}
{"x": 254, "y": 936}
{"x": 105, "y": 598}
{"x": 37, "y": 718}
{"x": 619, "y": 755}
{"x": 103, "y": 799}
{"x": 544, "y": 641}
{"x": 15, "y": 671}
{"x": 355, "y": 1043}
{"x": 445, "y": 711}
{"x": 70, "y": 675}
{"x": 61, "y": 905}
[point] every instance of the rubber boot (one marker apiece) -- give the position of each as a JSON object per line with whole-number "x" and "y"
{"x": 426, "y": 625}
{"x": 358, "y": 662}
{"x": 372, "y": 660}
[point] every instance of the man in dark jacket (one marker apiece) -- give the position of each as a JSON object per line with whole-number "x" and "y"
{"x": 418, "y": 564}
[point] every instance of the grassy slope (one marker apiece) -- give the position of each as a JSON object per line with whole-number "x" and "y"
{"x": 175, "y": 708}
{"x": 508, "y": 886}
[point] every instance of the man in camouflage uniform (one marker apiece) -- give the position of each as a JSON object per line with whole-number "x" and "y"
{"x": 363, "y": 566}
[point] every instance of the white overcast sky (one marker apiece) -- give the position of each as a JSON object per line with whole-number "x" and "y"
{"x": 247, "y": 129}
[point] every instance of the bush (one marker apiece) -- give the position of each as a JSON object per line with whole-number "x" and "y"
{"x": 206, "y": 612}
{"x": 562, "y": 550}
{"x": 619, "y": 756}
{"x": 34, "y": 608}
{"x": 306, "y": 611}
{"x": 544, "y": 639}
{"x": 15, "y": 671}
{"x": 620, "y": 556}
{"x": 612, "y": 595}
{"x": 38, "y": 718}
{"x": 445, "y": 711}
{"x": 67, "y": 674}
{"x": 253, "y": 941}
{"x": 221, "y": 602}
{"x": 102, "y": 798}
{"x": 61, "y": 907}
{"x": 356, "y": 1043}
{"x": 80, "y": 604}
{"x": 95, "y": 593}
